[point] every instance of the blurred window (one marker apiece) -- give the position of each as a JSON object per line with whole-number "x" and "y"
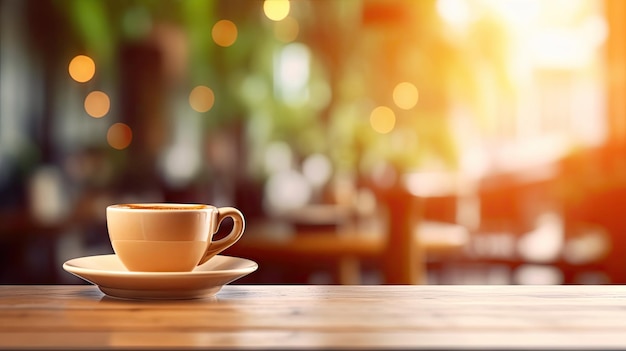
{"x": 554, "y": 60}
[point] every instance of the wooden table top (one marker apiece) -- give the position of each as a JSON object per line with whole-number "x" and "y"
{"x": 272, "y": 239}
{"x": 320, "y": 316}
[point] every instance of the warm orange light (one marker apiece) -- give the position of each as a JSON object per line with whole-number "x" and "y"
{"x": 82, "y": 68}
{"x": 382, "y": 119}
{"x": 97, "y": 104}
{"x": 286, "y": 30}
{"x": 224, "y": 33}
{"x": 201, "y": 98}
{"x": 405, "y": 95}
{"x": 276, "y": 10}
{"x": 119, "y": 136}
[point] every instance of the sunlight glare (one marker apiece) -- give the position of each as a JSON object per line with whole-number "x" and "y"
{"x": 454, "y": 12}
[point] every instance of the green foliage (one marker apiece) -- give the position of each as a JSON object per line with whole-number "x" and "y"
{"x": 358, "y": 53}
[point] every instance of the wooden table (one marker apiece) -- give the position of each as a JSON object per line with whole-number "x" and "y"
{"x": 320, "y": 316}
{"x": 275, "y": 242}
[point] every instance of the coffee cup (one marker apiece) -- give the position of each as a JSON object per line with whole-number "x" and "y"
{"x": 169, "y": 237}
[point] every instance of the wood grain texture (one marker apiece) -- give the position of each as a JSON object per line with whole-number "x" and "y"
{"x": 314, "y": 316}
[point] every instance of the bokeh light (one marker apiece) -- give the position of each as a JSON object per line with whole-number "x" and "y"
{"x": 292, "y": 73}
{"x": 276, "y": 10}
{"x": 317, "y": 168}
{"x": 278, "y": 157}
{"x": 82, "y": 68}
{"x": 405, "y": 95}
{"x": 180, "y": 162}
{"x": 224, "y": 33}
{"x": 458, "y": 12}
{"x": 97, "y": 104}
{"x": 201, "y": 98}
{"x": 287, "y": 190}
{"x": 382, "y": 119}
{"x": 287, "y": 30}
{"x": 119, "y": 136}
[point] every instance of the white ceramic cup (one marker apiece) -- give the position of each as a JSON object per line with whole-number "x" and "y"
{"x": 168, "y": 237}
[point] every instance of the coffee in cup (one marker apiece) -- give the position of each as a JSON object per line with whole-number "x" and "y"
{"x": 169, "y": 237}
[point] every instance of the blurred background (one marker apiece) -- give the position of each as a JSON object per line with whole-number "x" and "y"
{"x": 490, "y": 132}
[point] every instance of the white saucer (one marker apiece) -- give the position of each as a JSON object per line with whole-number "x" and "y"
{"x": 113, "y": 279}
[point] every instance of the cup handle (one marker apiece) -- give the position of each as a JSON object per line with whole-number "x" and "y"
{"x": 239, "y": 224}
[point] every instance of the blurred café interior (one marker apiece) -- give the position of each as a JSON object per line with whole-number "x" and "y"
{"x": 365, "y": 141}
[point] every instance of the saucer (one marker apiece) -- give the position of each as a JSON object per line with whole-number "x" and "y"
{"x": 113, "y": 279}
